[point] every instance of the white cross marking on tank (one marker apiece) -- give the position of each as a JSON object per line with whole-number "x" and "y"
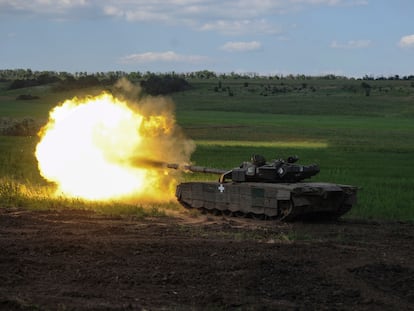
{"x": 221, "y": 188}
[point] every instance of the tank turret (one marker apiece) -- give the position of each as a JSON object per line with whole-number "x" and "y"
{"x": 276, "y": 171}
{"x": 259, "y": 170}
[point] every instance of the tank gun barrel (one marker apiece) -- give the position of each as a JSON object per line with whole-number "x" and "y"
{"x": 201, "y": 169}
{"x": 196, "y": 169}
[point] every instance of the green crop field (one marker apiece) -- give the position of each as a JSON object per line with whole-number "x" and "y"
{"x": 357, "y": 138}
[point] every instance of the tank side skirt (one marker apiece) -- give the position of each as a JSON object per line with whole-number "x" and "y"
{"x": 284, "y": 201}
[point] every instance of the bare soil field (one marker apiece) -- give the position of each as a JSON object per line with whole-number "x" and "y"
{"x": 80, "y": 260}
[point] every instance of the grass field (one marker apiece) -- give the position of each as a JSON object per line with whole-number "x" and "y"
{"x": 367, "y": 141}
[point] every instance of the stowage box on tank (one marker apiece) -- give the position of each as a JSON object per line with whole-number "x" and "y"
{"x": 267, "y": 190}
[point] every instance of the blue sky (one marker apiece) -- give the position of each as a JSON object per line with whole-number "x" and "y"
{"x": 314, "y": 37}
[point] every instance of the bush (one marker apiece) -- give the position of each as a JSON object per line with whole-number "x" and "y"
{"x": 27, "y": 97}
{"x": 23, "y": 127}
{"x": 157, "y": 85}
{"x": 71, "y": 83}
{"x": 42, "y": 79}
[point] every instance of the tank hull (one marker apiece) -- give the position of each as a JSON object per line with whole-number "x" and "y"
{"x": 285, "y": 201}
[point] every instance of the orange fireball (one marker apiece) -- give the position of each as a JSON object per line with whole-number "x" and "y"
{"x": 87, "y": 146}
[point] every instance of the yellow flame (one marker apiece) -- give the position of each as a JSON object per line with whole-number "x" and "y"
{"x": 87, "y": 144}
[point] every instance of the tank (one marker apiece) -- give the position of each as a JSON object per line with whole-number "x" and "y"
{"x": 267, "y": 190}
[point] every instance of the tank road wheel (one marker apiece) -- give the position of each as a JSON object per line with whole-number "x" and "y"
{"x": 216, "y": 212}
{"x": 238, "y": 214}
{"x": 227, "y": 213}
{"x": 256, "y": 216}
{"x": 285, "y": 210}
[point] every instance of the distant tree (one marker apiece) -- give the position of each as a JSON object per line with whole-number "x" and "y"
{"x": 366, "y": 87}
{"x": 81, "y": 81}
{"x": 367, "y": 77}
{"x": 329, "y": 77}
{"x": 205, "y": 74}
{"x": 135, "y": 76}
{"x": 161, "y": 85}
{"x": 46, "y": 78}
{"x": 21, "y": 83}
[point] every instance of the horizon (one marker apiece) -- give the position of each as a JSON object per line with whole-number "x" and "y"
{"x": 249, "y": 75}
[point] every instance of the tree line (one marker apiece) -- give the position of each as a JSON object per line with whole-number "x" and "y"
{"x": 7, "y": 75}
{"x": 154, "y": 83}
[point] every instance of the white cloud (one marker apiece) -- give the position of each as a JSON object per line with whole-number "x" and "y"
{"x": 406, "y": 41}
{"x": 238, "y": 27}
{"x": 136, "y": 14}
{"x": 42, "y": 6}
{"x": 227, "y": 17}
{"x": 166, "y": 57}
{"x": 352, "y": 44}
{"x": 241, "y": 46}
{"x": 331, "y": 2}
{"x": 113, "y": 11}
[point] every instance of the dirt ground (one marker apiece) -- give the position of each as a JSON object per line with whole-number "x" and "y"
{"x": 78, "y": 260}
